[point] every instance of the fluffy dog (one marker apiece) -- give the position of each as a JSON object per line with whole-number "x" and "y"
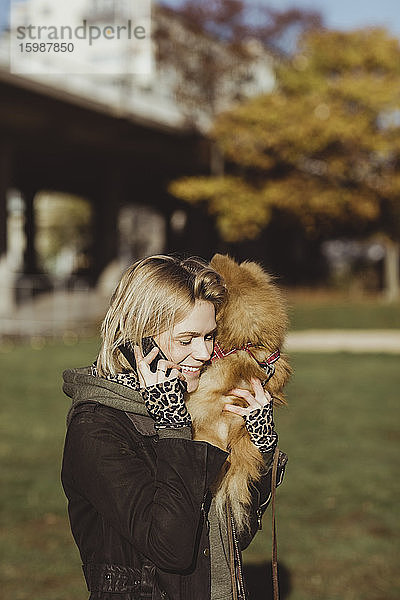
{"x": 255, "y": 313}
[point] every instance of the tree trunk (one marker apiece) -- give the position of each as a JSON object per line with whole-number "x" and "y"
{"x": 391, "y": 270}
{"x": 217, "y": 162}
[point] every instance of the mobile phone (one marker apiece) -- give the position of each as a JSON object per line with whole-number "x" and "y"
{"x": 148, "y": 344}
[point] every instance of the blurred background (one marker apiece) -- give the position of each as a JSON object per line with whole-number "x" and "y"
{"x": 269, "y": 130}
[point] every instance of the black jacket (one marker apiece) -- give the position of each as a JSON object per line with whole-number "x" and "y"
{"x": 138, "y": 504}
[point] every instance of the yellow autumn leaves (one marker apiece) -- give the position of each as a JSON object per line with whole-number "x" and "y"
{"x": 323, "y": 146}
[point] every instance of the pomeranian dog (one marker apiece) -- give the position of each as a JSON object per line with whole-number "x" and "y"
{"x": 251, "y": 329}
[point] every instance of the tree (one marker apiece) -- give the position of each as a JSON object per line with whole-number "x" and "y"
{"x": 235, "y": 21}
{"x": 214, "y": 50}
{"x": 323, "y": 147}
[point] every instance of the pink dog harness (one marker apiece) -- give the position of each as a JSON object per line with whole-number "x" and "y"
{"x": 267, "y": 365}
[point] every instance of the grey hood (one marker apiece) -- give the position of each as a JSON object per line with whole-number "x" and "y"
{"x": 82, "y": 386}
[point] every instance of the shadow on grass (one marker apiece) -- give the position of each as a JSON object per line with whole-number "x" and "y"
{"x": 259, "y": 581}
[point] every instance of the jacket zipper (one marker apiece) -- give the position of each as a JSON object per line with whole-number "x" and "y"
{"x": 241, "y": 588}
{"x": 242, "y": 593}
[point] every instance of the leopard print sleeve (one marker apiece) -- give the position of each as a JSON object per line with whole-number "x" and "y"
{"x": 260, "y": 425}
{"x": 165, "y": 403}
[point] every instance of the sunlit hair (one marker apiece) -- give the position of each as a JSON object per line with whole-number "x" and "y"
{"x": 153, "y": 295}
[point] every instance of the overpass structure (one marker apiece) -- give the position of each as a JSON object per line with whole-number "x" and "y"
{"x": 54, "y": 140}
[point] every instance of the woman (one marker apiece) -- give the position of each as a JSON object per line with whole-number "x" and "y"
{"x": 138, "y": 486}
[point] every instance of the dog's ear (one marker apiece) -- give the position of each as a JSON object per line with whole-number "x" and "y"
{"x": 224, "y": 265}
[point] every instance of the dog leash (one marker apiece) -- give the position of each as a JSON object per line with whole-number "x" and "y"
{"x": 274, "y": 562}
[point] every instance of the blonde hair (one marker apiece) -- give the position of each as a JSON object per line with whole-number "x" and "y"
{"x": 153, "y": 295}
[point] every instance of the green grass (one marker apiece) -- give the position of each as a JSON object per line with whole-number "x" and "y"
{"x": 39, "y": 560}
{"x": 337, "y": 509}
{"x": 317, "y": 314}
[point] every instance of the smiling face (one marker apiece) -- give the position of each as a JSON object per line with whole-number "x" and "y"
{"x": 191, "y": 342}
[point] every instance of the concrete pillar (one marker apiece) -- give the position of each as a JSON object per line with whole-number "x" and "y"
{"x": 30, "y": 259}
{"x": 7, "y": 275}
{"x": 106, "y": 206}
{"x": 5, "y": 184}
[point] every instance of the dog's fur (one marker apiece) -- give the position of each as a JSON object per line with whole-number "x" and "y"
{"x": 253, "y": 312}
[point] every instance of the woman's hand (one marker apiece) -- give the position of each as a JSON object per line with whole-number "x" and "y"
{"x": 259, "y": 399}
{"x": 162, "y": 395}
{"x": 258, "y": 415}
{"x": 146, "y": 376}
